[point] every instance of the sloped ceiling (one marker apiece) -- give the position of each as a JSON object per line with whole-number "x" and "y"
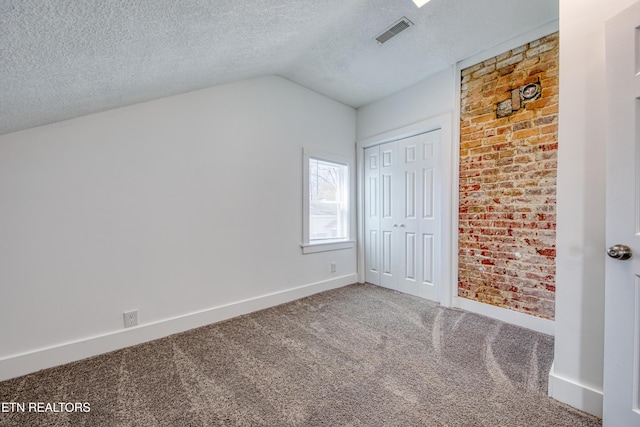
{"x": 61, "y": 59}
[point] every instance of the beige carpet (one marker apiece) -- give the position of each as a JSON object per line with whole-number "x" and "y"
{"x": 356, "y": 356}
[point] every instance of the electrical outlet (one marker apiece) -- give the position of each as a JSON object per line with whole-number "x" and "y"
{"x": 130, "y": 318}
{"x": 333, "y": 267}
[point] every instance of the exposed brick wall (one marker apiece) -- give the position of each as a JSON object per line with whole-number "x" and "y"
{"x": 508, "y": 168}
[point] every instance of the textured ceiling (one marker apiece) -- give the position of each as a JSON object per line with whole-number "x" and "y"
{"x": 61, "y": 59}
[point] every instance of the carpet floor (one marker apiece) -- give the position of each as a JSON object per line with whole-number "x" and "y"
{"x": 355, "y": 356}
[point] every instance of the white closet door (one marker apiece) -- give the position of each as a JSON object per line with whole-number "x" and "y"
{"x": 388, "y": 215}
{"x": 372, "y": 236}
{"x": 402, "y": 221}
{"x": 429, "y": 215}
{"x": 407, "y": 214}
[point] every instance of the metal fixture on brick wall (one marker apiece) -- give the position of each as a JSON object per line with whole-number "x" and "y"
{"x": 520, "y": 96}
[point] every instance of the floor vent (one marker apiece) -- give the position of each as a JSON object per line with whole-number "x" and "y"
{"x": 394, "y": 30}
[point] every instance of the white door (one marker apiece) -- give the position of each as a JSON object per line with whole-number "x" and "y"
{"x": 418, "y": 223}
{"x": 389, "y": 199}
{"x": 401, "y": 217}
{"x": 407, "y": 214}
{"x": 622, "y": 288}
{"x": 372, "y": 215}
{"x": 430, "y": 213}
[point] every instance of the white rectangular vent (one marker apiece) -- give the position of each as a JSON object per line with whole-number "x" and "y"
{"x": 394, "y": 30}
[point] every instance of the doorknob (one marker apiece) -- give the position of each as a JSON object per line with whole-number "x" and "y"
{"x": 621, "y": 252}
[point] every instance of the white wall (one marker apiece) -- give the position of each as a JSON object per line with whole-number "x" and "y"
{"x": 429, "y": 98}
{"x": 577, "y": 375}
{"x": 171, "y": 207}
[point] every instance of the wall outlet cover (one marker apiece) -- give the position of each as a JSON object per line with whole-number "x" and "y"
{"x": 130, "y": 318}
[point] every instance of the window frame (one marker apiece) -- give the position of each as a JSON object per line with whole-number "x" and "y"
{"x": 313, "y": 246}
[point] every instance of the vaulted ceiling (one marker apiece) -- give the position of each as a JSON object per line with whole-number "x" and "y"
{"x": 61, "y": 59}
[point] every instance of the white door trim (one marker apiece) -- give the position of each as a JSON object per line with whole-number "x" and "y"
{"x": 444, "y": 123}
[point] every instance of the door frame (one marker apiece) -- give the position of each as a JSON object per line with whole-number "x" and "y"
{"x": 448, "y": 289}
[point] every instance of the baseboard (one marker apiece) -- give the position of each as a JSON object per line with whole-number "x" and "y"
{"x": 577, "y": 395}
{"x": 534, "y": 323}
{"x": 25, "y": 363}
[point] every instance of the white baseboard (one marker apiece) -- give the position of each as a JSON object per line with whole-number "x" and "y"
{"x": 577, "y": 395}
{"x": 534, "y": 323}
{"x": 32, "y": 361}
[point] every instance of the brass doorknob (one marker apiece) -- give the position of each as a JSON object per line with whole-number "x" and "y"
{"x": 621, "y": 252}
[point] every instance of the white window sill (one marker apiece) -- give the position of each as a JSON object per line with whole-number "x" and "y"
{"x": 310, "y": 248}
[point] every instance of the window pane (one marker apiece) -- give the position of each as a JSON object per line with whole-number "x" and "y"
{"x": 327, "y": 200}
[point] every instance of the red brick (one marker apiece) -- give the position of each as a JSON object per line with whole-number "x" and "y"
{"x": 549, "y": 128}
{"x": 525, "y": 133}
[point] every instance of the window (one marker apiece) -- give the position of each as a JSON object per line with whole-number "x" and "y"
{"x": 326, "y": 203}
{"x": 328, "y": 209}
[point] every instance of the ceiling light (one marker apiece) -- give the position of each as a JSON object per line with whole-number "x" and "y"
{"x": 420, "y": 3}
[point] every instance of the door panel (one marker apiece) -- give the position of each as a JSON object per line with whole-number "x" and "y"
{"x": 387, "y": 197}
{"x": 429, "y": 223}
{"x": 371, "y": 215}
{"x": 388, "y": 224}
{"x": 622, "y": 283}
{"x": 427, "y": 259}
{"x": 387, "y": 278}
{"x": 427, "y": 193}
{"x": 410, "y": 153}
{"x": 410, "y": 194}
{"x": 373, "y": 197}
{"x": 410, "y": 256}
{"x": 428, "y": 148}
{"x": 387, "y": 155}
{"x": 372, "y": 253}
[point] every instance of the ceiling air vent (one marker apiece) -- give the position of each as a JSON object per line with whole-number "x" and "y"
{"x": 394, "y": 30}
